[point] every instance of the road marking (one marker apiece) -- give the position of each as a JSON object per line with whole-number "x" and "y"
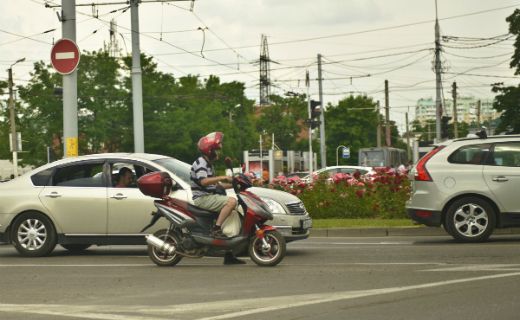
{"x": 269, "y": 304}
{"x": 384, "y": 243}
{"x": 479, "y": 267}
{"x": 75, "y": 265}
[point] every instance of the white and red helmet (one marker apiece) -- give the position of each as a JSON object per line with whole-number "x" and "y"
{"x": 210, "y": 143}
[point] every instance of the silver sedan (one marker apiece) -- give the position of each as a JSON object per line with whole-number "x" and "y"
{"x": 79, "y": 202}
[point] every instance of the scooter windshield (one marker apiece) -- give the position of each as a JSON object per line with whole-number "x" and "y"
{"x": 258, "y": 206}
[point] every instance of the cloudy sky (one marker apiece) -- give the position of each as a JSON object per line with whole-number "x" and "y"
{"x": 363, "y": 42}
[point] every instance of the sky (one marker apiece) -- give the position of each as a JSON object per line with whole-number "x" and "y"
{"x": 362, "y": 43}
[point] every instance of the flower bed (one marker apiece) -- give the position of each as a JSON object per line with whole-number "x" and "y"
{"x": 382, "y": 195}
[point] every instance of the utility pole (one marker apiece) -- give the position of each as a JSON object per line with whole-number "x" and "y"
{"x": 137, "y": 86}
{"x": 454, "y": 94}
{"x": 478, "y": 115}
{"x": 12, "y": 118}
{"x": 408, "y": 153}
{"x": 438, "y": 84}
{"x": 323, "y": 151}
{"x": 378, "y": 125}
{"x": 311, "y": 156}
{"x": 387, "y": 117}
{"x": 70, "y": 84}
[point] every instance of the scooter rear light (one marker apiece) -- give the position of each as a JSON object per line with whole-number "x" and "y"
{"x": 421, "y": 174}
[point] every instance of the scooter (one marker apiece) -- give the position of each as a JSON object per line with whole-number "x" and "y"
{"x": 188, "y": 234}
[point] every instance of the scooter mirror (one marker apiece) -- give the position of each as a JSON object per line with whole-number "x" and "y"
{"x": 229, "y": 163}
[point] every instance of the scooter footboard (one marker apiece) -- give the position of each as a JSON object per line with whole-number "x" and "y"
{"x": 223, "y": 243}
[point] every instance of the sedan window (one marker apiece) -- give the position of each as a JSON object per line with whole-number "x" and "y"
{"x": 179, "y": 168}
{"x": 41, "y": 178}
{"x": 81, "y": 175}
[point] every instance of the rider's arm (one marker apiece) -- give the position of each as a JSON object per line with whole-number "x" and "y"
{"x": 226, "y": 185}
{"x": 214, "y": 180}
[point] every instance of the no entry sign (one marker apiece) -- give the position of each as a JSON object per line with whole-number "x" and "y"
{"x": 65, "y": 56}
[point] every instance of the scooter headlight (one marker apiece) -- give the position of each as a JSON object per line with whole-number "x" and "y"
{"x": 274, "y": 206}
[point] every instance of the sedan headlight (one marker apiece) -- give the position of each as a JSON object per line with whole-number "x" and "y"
{"x": 274, "y": 206}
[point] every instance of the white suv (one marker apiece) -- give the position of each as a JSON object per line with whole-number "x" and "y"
{"x": 470, "y": 186}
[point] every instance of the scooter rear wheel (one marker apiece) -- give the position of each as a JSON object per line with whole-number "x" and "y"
{"x": 163, "y": 259}
{"x": 270, "y": 255}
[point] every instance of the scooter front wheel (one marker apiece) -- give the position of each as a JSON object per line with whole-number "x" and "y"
{"x": 161, "y": 258}
{"x": 271, "y": 252}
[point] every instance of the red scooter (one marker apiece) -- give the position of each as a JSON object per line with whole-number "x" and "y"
{"x": 189, "y": 232}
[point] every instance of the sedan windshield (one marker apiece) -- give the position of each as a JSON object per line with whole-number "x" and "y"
{"x": 177, "y": 167}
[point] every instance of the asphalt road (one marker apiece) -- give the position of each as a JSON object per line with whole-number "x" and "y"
{"x": 320, "y": 278}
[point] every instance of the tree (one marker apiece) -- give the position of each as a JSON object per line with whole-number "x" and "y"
{"x": 178, "y": 112}
{"x": 4, "y": 125}
{"x": 351, "y": 123}
{"x": 285, "y": 118}
{"x": 508, "y": 99}
{"x": 104, "y": 116}
{"x": 40, "y": 116}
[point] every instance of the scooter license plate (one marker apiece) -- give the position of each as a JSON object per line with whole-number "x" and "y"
{"x": 306, "y": 224}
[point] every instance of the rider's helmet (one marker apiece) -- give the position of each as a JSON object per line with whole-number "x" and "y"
{"x": 210, "y": 143}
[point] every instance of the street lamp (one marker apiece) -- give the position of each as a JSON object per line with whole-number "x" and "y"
{"x": 231, "y": 112}
{"x": 14, "y": 139}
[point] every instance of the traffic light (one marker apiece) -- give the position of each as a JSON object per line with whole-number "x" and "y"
{"x": 444, "y": 127}
{"x": 315, "y": 114}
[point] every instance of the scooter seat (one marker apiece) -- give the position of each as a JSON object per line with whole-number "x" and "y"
{"x": 201, "y": 212}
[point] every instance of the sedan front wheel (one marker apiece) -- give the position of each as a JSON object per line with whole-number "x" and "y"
{"x": 33, "y": 235}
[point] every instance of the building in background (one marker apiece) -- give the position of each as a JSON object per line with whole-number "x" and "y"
{"x": 466, "y": 109}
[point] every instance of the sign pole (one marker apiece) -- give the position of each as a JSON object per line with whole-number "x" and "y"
{"x": 70, "y": 85}
{"x": 337, "y": 158}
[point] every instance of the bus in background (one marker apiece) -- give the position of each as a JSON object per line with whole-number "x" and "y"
{"x": 382, "y": 157}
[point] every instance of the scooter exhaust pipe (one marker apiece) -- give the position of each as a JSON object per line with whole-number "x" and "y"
{"x": 160, "y": 244}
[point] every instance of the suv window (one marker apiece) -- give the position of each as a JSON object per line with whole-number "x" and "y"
{"x": 470, "y": 154}
{"x": 506, "y": 154}
{"x": 79, "y": 175}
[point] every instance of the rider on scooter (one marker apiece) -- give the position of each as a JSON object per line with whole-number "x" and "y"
{"x": 204, "y": 186}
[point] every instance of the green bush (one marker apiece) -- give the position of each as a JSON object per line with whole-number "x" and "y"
{"x": 344, "y": 196}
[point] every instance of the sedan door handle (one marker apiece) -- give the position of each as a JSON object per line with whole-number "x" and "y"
{"x": 500, "y": 179}
{"x": 53, "y": 194}
{"x": 119, "y": 196}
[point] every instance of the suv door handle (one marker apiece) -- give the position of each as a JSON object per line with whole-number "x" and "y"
{"x": 119, "y": 196}
{"x": 500, "y": 179}
{"x": 53, "y": 194}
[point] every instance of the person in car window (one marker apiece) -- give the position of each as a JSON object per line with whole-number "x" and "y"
{"x": 125, "y": 178}
{"x": 204, "y": 186}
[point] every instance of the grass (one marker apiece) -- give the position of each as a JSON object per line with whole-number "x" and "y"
{"x": 361, "y": 223}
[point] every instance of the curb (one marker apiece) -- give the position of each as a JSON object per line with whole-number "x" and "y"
{"x": 394, "y": 232}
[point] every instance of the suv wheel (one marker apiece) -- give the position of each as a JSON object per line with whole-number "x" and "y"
{"x": 470, "y": 219}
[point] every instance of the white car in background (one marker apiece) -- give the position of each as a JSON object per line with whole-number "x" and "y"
{"x": 74, "y": 202}
{"x": 331, "y": 171}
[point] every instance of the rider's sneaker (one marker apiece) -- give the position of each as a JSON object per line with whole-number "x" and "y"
{"x": 217, "y": 233}
{"x": 230, "y": 258}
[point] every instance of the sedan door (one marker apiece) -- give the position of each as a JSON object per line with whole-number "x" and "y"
{"x": 77, "y": 198}
{"x": 502, "y": 175}
{"x": 128, "y": 208}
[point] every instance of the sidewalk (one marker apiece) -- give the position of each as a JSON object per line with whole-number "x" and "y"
{"x": 394, "y": 232}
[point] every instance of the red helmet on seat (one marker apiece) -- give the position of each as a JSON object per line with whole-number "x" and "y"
{"x": 210, "y": 143}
